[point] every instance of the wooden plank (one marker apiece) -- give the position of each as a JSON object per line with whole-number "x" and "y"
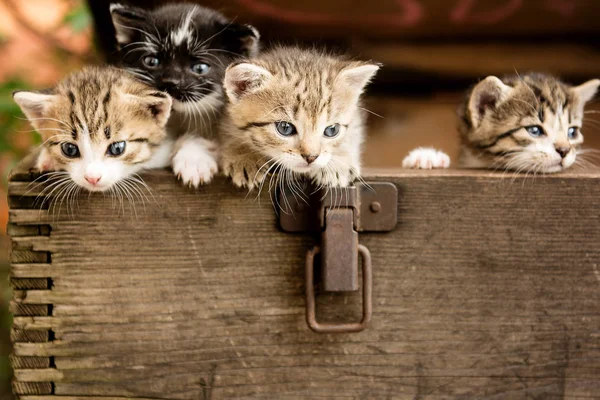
{"x": 31, "y": 271}
{"x": 30, "y": 217}
{"x": 31, "y": 388}
{"x": 31, "y": 243}
{"x": 477, "y": 294}
{"x": 29, "y": 362}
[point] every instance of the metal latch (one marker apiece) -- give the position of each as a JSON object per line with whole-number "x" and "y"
{"x": 339, "y": 215}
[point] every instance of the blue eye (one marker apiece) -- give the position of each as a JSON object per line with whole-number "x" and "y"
{"x": 535, "y": 131}
{"x": 332, "y": 130}
{"x": 116, "y": 149}
{"x": 151, "y": 61}
{"x": 200, "y": 68}
{"x": 70, "y": 150}
{"x": 573, "y": 132}
{"x": 285, "y": 128}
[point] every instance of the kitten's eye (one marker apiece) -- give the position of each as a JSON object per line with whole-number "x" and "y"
{"x": 151, "y": 62}
{"x": 332, "y": 130}
{"x": 116, "y": 149}
{"x": 535, "y": 131}
{"x": 200, "y": 68}
{"x": 573, "y": 132}
{"x": 70, "y": 150}
{"x": 285, "y": 128}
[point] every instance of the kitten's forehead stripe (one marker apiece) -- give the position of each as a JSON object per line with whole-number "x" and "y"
{"x": 185, "y": 30}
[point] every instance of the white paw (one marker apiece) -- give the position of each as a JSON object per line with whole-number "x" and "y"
{"x": 426, "y": 158}
{"x": 194, "y": 163}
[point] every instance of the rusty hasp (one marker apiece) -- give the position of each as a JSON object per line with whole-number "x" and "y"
{"x": 340, "y": 215}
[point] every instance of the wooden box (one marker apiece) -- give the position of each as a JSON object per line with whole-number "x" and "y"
{"x": 488, "y": 288}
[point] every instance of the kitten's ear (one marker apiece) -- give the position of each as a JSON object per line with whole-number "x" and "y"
{"x": 586, "y": 91}
{"x": 356, "y": 77}
{"x": 127, "y": 21}
{"x": 244, "y": 78}
{"x": 487, "y": 94}
{"x": 158, "y": 104}
{"x": 241, "y": 39}
{"x": 34, "y": 105}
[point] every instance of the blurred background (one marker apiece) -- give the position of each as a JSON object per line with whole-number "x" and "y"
{"x": 432, "y": 51}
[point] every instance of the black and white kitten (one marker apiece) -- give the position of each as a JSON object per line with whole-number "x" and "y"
{"x": 184, "y": 50}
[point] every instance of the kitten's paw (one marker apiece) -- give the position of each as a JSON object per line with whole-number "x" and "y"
{"x": 245, "y": 175}
{"x": 335, "y": 180}
{"x": 195, "y": 164}
{"x": 45, "y": 163}
{"x": 426, "y": 158}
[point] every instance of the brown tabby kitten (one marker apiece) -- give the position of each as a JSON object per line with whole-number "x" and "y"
{"x": 100, "y": 126}
{"x": 296, "y": 113}
{"x": 526, "y": 123}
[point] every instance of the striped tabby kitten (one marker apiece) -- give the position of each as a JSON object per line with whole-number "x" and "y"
{"x": 183, "y": 49}
{"x": 100, "y": 126}
{"x": 297, "y": 113}
{"x": 529, "y": 123}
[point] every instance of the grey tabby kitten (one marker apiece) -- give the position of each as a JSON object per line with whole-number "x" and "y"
{"x": 296, "y": 113}
{"x": 184, "y": 49}
{"x": 525, "y": 123}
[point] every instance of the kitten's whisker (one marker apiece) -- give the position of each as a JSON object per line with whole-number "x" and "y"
{"x": 138, "y": 179}
{"x": 213, "y": 36}
{"x": 372, "y": 112}
{"x": 48, "y": 119}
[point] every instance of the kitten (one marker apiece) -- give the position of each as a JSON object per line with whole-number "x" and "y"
{"x": 529, "y": 123}
{"x": 99, "y": 125}
{"x": 183, "y": 49}
{"x": 295, "y": 112}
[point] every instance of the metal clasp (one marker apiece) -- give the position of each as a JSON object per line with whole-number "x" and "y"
{"x": 367, "y": 300}
{"x": 339, "y": 216}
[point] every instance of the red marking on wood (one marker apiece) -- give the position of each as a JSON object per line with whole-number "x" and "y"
{"x": 463, "y": 12}
{"x": 412, "y": 13}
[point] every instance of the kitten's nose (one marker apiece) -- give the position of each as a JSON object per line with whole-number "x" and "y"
{"x": 93, "y": 179}
{"x": 310, "y": 158}
{"x": 563, "y": 151}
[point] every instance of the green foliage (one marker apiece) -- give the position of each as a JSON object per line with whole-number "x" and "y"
{"x": 79, "y": 18}
{"x": 10, "y": 114}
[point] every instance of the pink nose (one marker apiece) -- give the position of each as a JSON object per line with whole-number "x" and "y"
{"x": 93, "y": 180}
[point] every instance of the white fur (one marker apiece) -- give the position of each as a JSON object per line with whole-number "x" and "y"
{"x": 426, "y": 158}
{"x": 195, "y": 162}
{"x": 184, "y": 31}
{"x": 94, "y": 164}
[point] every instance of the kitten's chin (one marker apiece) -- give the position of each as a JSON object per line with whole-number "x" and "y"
{"x": 95, "y": 188}
{"x": 202, "y": 105}
{"x": 557, "y": 167}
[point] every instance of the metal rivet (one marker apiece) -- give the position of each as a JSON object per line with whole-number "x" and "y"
{"x": 375, "y": 207}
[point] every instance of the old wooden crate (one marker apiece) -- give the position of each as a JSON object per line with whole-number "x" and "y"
{"x": 488, "y": 288}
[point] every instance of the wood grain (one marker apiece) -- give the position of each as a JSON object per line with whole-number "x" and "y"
{"x": 488, "y": 288}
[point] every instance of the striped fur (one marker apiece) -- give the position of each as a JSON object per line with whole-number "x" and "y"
{"x": 498, "y": 120}
{"x": 309, "y": 89}
{"x": 93, "y": 109}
